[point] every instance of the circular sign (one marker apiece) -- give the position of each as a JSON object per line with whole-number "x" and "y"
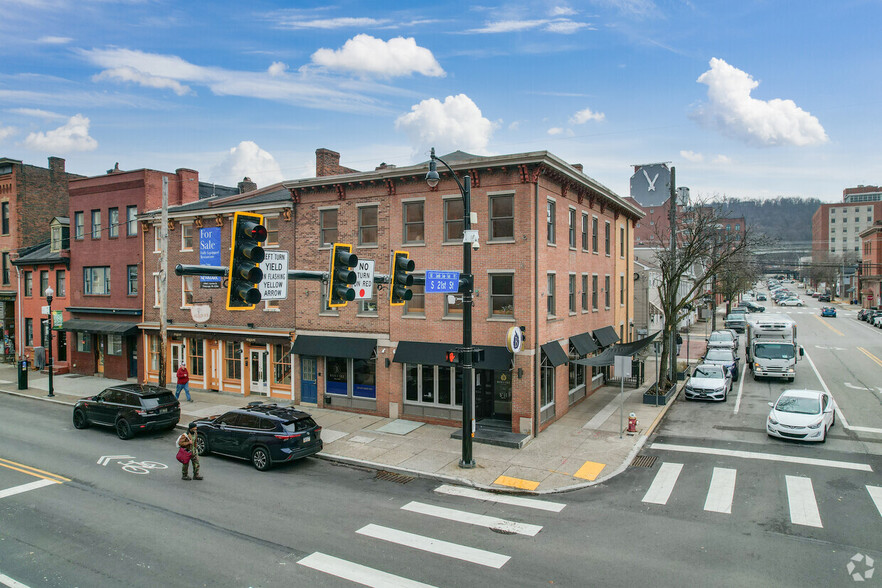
{"x": 514, "y": 340}
{"x": 200, "y": 312}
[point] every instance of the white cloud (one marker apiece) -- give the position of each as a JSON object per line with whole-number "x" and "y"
{"x": 72, "y": 136}
{"x": 692, "y": 156}
{"x": 732, "y": 110}
{"x": 365, "y": 54}
{"x": 722, "y": 160}
{"x": 37, "y": 113}
{"x": 514, "y": 126}
{"x": 130, "y": 74}
{"x": 6, "y": 132}
{"x": 555, "y": 131}
{"x": 331, "y": 23}
{"x": 565, "y": 27}
{"x": 456, "y": 123}
{"x": 633, "y": 7}
{"x": 247, "y": 160}
{"x": 562, "y": 11}
{"x": 49, "y": 40}
{"x": 585, "y": 115}
{"x": 277, "y": 68}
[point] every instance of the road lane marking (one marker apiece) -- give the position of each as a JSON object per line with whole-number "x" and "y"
{"x": 500, "y": 498}
{"x": 27, "y": 487}
{"x": 828, "y": 463}
{"x": 871, "y": 356}
{"x": 841, "y": 416}
{"x": 663, "y": 484}
{"x": 437, "y": 546}
{"x": 721, "y": 491}
{"x": 357, "y": 573}
{"x": 7, "y": 581}
{"x": 876, "y": 495}
{"x": 740, "y": 388}
{"x": 516, "y": 483}
{"x": 803, "y": 506}
{"x": 468, "y": 518}
{"x": 829, "y": 326}
{"x": 26, "y": 469}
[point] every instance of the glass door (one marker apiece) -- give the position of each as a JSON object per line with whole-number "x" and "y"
{"x": 259, "y": 372}
{"x": 99, "y": 354}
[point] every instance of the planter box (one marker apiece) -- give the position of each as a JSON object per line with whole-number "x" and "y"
{"x": 649, "y": 397}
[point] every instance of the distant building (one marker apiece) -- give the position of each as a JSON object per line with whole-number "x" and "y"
{"x": 862, "y": 194}
{"x": 870, "y": 268}
{"x": 836, "y": 227}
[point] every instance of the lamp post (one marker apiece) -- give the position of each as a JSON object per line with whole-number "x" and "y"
{"x": 49, "y": 294}
{"x": 467, "y": 287}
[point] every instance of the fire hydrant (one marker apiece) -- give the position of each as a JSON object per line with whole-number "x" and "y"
{"x": 632, "y": 423}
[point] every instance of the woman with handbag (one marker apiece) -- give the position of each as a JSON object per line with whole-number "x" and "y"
{"x": 187, "y": 453}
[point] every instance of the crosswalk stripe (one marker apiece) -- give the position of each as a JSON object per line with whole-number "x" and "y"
{"x": 721, "y": 491}
{"x": 356, "y": 572}
{"x": 876, "y": 495}
{"x": 473, "y": 519}
{"x": 500, "y": 498}
{"x": 26, "y": 487}
{"x": 803, "y": 506}
{"x": 445, "y": 548}
{"x": 663, "y": 484}
{"x": 829, "y": 463}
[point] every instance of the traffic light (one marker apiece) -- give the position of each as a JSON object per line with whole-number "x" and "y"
{"x": 341, "y": 275}
{"x": 245, "y": 254}
{"x": 402, "y": 280}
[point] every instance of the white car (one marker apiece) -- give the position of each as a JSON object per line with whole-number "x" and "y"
{"x": 708, "y": 382}
{"x": 804, "y": 415}
{"x": 877, "y": 321}
{"x": 792, "y": 302}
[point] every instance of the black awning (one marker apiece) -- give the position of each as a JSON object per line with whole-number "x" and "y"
{"x": 321, "y": 346}
{"x": 584, "y": 343}
{"x": 87, "y": 326}
{"x": 555, "y": 353}
{"x": 606, "y": 336}
{"x": 495, "y": 357}
{"x": 608, "y": 357}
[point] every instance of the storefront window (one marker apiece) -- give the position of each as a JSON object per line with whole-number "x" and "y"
{"x": 114, "y": 344}
{"x": 364, "y": 378}
{"x": 547, "y": 381}
{"x": 433, "y": 385}
{"x": 281, "y": 364}
{"x": 337, "y": 369}
{"x": 84, "y": 342}
{"x": 233, "y": 360}
{"x": 154, "y": 353}
{"x": 196, "y": 359}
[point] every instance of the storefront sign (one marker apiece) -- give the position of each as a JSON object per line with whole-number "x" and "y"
{"x": 57, "y": 320}
{"x": 210, "y": 254}
{"x": 514, "y": 340}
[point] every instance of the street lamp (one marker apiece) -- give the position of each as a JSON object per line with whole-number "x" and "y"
{"x": 467, "y": 287}
{"x": 49, "y": 294}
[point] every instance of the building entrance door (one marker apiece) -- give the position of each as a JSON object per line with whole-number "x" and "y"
{"x": 308, "y": 387}
{"x": 62, "y": 345}
{"x": 177, "y": 356}
{"x": 99, "y": 353}
{"x": 493, "y": 397}
{"x": 259, "y": 372}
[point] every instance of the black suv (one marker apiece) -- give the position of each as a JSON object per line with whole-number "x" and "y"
{"x": 130, "y": 409}
{"x": 266, "y": 434}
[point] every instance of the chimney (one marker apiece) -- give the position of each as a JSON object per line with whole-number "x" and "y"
{"x": 579, "y": 167}
{"x": 384, "y": 165}
{"x": 246, "y": 185}
{"x": 327, "y": 162}
{"x": 56, "y": 165}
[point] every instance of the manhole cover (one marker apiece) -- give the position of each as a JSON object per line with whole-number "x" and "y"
{"x": 393, "y": 477}
{"x": 644, "y": 461}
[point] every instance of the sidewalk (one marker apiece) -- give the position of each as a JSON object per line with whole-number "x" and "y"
{"x": 584, "y": 447}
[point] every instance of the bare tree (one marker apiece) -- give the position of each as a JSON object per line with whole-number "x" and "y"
{"x": 737, "y": 275}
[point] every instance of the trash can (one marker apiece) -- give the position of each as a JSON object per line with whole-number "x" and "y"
{"x": 23, "y": 374}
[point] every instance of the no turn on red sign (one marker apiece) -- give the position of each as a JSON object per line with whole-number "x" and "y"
{"x": 364, "y": 282}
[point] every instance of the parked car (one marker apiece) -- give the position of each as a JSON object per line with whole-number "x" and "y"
{"x": 801, "y": 414}
{"x": 708, "y": 382}
{"x": 726, "y": 358}
{"x": 265, "y": 434}
{"x": 751, "y": 306}
{"x": 862, "y": 314}
{"x": 129, "y": 409}
{"x": 725, "y": 339}
{"x": 736, "y": 322}
{"x": 871, "y": 315}
{"x": 825, "y": 298}
{"x": 828, "y": 311}
{"x": 877, "y": 320}
{"x": 816, "y": 294}
{"x": 792, "y": 302}
{"x": 761, "y": 298}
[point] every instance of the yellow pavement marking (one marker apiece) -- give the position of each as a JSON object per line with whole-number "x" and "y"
{"x": 49, "y": 475}
{"x": 590, "y": 470}
{"x": 516, "y": 483}
{"x": 829, "y": 326}
{"x": 870, "y": 355}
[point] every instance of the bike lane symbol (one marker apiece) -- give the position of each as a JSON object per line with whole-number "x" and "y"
{"x": 132, "y": 466}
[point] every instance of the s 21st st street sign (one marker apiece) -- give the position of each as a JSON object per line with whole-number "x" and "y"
{"x": 441, "y": 281}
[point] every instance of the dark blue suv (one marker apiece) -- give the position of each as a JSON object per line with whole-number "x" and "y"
{"x": 265, "y": 434}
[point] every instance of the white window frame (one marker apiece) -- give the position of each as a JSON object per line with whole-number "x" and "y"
{"x": 185, "y": 226}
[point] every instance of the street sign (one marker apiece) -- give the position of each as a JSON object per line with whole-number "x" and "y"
{"x": 44, "y": 310}
{"x": 441, "y": 281}
{"x": 364, "y": 282}
{"x": 622, "y": 366}
{"x": 274, "y": 285}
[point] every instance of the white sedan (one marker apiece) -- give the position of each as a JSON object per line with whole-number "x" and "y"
{"x": 792, "y": 302}
{"x": 805, "y": 415}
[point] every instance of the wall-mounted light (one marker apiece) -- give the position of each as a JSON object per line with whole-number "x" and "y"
{"x": 520, "y": 373}
{"x": 388, "y": 363}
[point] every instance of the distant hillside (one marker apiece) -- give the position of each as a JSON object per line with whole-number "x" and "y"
{"x": 786, "y": 219}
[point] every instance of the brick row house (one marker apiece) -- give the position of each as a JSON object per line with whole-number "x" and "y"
{"x": 555, "y": 257}
{"x": 870, "y": 267}
{"x": 30, "y": 197}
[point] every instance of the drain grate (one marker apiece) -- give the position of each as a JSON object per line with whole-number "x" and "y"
{"x": 393, "y": 477}
{"x": 644, "y": 461}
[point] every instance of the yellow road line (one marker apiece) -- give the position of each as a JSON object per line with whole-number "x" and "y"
{"x": 30, "y": 471}
{"x": 829, "y": 326}
{"x": 870, "y": 355}
{"x": 516, "y": 483}
{"x": 590, "y": 470}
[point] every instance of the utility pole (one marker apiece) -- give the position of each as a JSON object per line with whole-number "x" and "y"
{"x": 163, "y": 282}
{"x": 673, "y": 222}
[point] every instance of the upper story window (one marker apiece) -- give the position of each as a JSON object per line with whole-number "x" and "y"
{"x": 501, "y": 217}
{"x": 368, "y": 225}
{"x": 131, "y": 223}
{"x": 572, "y": 228}
{"x": 44, "y": 282}
{"x": 96, "y": 281}
{"x": 416, "y": 306}
{"x": 607, "y": 238}
{"x": 550, "y": 222}
{"x": 572, "y": 293}
{"x": 622, "y": 242}
{"x": 5, "y": 268}
{"x": 4, "y": 218}
{"x": 55, "y": 239}
{"x": 186, "y": 237}
{"x": 28, "y": 284}
{"x": 79, "y": 225}
{"x": 594, "y": 236}
{"x": 113, "y": 223}
{"x": 550, "y": 298}
{"x": 594, "y": 292}
{"x": 96, "y": 224}
{"x": 584, "y": 232}
{"x": 414, "y": 222}
{"x": 61, "y": 283}
{"x": 187, "y": 291}
{"x": 328, "y": 226}
{"x": 453, "y": 222}
{"x": 501, "y": 294}
{"x": 272, "y": 231}
{"x": 132, "y": 280}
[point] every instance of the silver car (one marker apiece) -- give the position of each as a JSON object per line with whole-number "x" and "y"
{"x": 709, "y": 382}
{"x": 725, "y": 339}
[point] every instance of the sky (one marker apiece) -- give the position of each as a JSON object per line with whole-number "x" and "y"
{"x": 747, "y": 99}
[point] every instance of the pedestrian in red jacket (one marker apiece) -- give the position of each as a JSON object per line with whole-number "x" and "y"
{"x": 183, "y": 382}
